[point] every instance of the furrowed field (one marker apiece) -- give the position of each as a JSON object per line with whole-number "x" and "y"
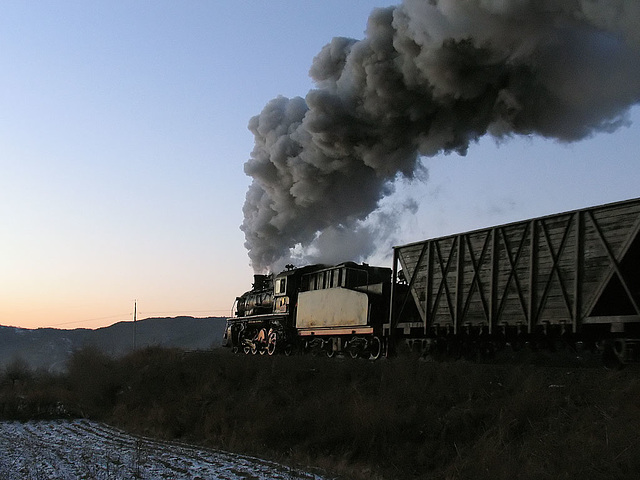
{"x": 354, "y": 419}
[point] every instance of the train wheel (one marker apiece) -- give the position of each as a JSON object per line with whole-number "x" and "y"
{"x": 330, "y": 350}
{"x": 272, "y": 343}
{"x": 346, "y": 348}
{"x": 452, "y": 348}
{"x": 468, "y": 349}
{"x": 246, "y": 349}
{"x": 288, "y": 349}
{"x": 375, "y": 349}
{"x": 613, "y": 355}
{"x": 254, "y": 349}
{"x": 487, "y": 350}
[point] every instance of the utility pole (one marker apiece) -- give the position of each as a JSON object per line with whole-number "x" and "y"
{"x": 135, "y": 312}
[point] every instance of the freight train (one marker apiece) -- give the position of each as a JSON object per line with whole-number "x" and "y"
{"x": 571, "y": 278}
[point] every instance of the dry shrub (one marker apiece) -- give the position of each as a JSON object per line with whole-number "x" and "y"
{"x": 391, "y": 419}
{"x": 27, "y": 394}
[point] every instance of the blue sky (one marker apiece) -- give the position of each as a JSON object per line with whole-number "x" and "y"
{"x": 123, "y": 134}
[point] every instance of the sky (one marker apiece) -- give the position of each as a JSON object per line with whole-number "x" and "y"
{"x": 123, "y": 136}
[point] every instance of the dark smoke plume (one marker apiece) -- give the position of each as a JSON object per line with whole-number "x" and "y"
{"x": 430, "y": 77}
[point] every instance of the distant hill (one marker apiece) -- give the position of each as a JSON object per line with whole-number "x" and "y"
{"x": 49, "y": 348}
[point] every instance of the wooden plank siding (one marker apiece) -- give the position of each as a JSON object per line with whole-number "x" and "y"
{"x": 552, "y": 270}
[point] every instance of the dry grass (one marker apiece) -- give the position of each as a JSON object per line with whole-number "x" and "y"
{"x": 390, "y": 419}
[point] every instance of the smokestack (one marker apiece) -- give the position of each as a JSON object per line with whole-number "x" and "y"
{"x": 260, "y": 282}
{"x": 429, "y": 77}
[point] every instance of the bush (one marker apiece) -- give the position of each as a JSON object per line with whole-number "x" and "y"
{"x": 389, "y": 419}
{"x": 26, "y": 394}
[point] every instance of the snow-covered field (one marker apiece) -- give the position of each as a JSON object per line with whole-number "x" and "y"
{"x": 80, "y": 449}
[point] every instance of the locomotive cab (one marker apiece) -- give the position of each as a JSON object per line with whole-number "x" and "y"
{"x": 281, "y": 295}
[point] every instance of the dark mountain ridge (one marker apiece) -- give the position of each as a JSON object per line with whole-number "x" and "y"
{"x": 50, "y": 348}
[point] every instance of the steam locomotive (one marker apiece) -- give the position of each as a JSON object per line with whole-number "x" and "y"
{"x": 340, "y": 308}
{"x": 571, "y": 278}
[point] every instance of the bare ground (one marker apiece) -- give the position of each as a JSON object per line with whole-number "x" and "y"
{"x": 69, "y": 450}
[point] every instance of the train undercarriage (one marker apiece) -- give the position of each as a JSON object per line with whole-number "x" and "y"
{"x": 613, "y": 350}
{"x": 267, "y": 335}
{"x": 270, "y": 337}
